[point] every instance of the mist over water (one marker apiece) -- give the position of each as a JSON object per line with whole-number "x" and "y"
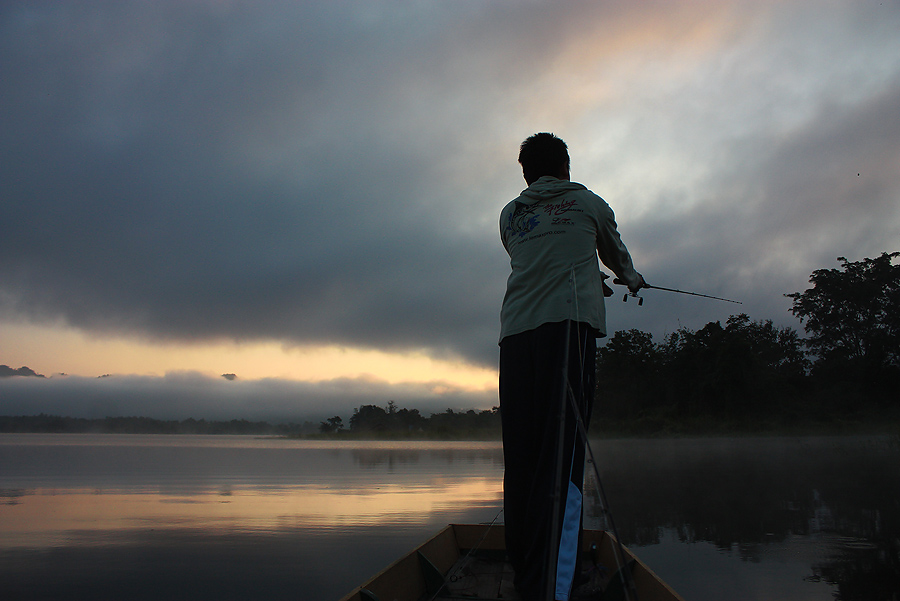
{"x": 210, "y": 517}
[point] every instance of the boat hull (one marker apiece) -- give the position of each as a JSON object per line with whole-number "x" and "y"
{"x": 433, "y": 569}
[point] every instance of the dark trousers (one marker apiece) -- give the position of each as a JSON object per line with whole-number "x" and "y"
{"x": 531, "y": 387}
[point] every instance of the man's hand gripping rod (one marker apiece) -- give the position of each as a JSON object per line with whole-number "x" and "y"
{"x": 646, "y": 285}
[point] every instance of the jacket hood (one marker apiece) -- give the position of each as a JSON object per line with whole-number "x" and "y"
{"x": 548, "y": 187}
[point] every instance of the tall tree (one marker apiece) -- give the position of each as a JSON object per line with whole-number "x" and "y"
{"x": 852, "y": 317}
{"x": 627, "y": 368}
{"x": 332, "y": 424}
{"x": 369, "y": 418}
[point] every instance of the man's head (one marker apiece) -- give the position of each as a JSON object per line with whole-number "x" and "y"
{"x": 544, "y": 154}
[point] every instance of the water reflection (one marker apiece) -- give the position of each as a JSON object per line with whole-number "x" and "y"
{"x": 235, "y": 517}
{"x": 43, "y": 517}
{"x": 261, "y": 487}
{"x": 152, "y": 517}
{"x": 832, "y": 503}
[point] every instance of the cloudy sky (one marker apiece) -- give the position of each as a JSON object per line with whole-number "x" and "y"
{"x": 306, "y": 194}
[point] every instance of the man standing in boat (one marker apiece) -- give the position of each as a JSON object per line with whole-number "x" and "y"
{"x": 553, "y": 232}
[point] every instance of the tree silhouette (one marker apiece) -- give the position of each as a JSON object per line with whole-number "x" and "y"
{"x": 332, "y": 424}
{"x": 852, "y": 317}
{"x": 740, "y": 369}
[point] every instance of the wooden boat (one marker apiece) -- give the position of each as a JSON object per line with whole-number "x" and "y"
{"x": 467, "y": 561}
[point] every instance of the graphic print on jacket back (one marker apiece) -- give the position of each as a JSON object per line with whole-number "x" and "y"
{"x": 526, "y": 218}
{"x": 522, "y": 220}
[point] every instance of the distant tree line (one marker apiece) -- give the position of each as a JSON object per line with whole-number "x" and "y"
{"x": 750, "y": 374}
{"x": 144, "y": 425}
{"x": 391, "y": 422}
{"x": 368, "y": 421}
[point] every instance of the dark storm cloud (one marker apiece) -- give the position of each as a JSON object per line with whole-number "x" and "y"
{"x": 183, "y": 173}
{"x": 331, "y": 172}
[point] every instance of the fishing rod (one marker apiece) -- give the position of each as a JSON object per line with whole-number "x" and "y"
{"x": 651, "y": 287}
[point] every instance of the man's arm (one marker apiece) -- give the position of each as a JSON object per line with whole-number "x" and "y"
{"x": 614, "y": 255}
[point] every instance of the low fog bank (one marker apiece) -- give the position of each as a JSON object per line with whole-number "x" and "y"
{"x": 184, "y": 395}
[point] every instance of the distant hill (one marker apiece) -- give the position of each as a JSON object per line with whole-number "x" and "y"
{"x": 8, "y": 372}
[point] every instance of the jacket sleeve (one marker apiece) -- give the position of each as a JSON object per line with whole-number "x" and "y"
{"x": 502, "y": 233}
{"x": 612, "y": 251}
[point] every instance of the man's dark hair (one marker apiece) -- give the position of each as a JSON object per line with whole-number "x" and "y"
{"x": 543, "y": 154}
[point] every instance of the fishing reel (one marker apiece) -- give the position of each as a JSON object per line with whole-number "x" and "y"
{"x": 640, "y": 299}
{"x": 607, "y": 291}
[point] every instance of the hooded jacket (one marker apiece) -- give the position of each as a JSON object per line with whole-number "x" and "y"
{"x": 554, "y": 232}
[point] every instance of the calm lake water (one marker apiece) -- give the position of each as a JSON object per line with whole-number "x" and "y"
{"x": 230, "y": 517}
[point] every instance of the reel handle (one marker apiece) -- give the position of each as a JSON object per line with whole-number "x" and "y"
{"x": 619, "y": 282}
{"x": 634, "y": 295}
